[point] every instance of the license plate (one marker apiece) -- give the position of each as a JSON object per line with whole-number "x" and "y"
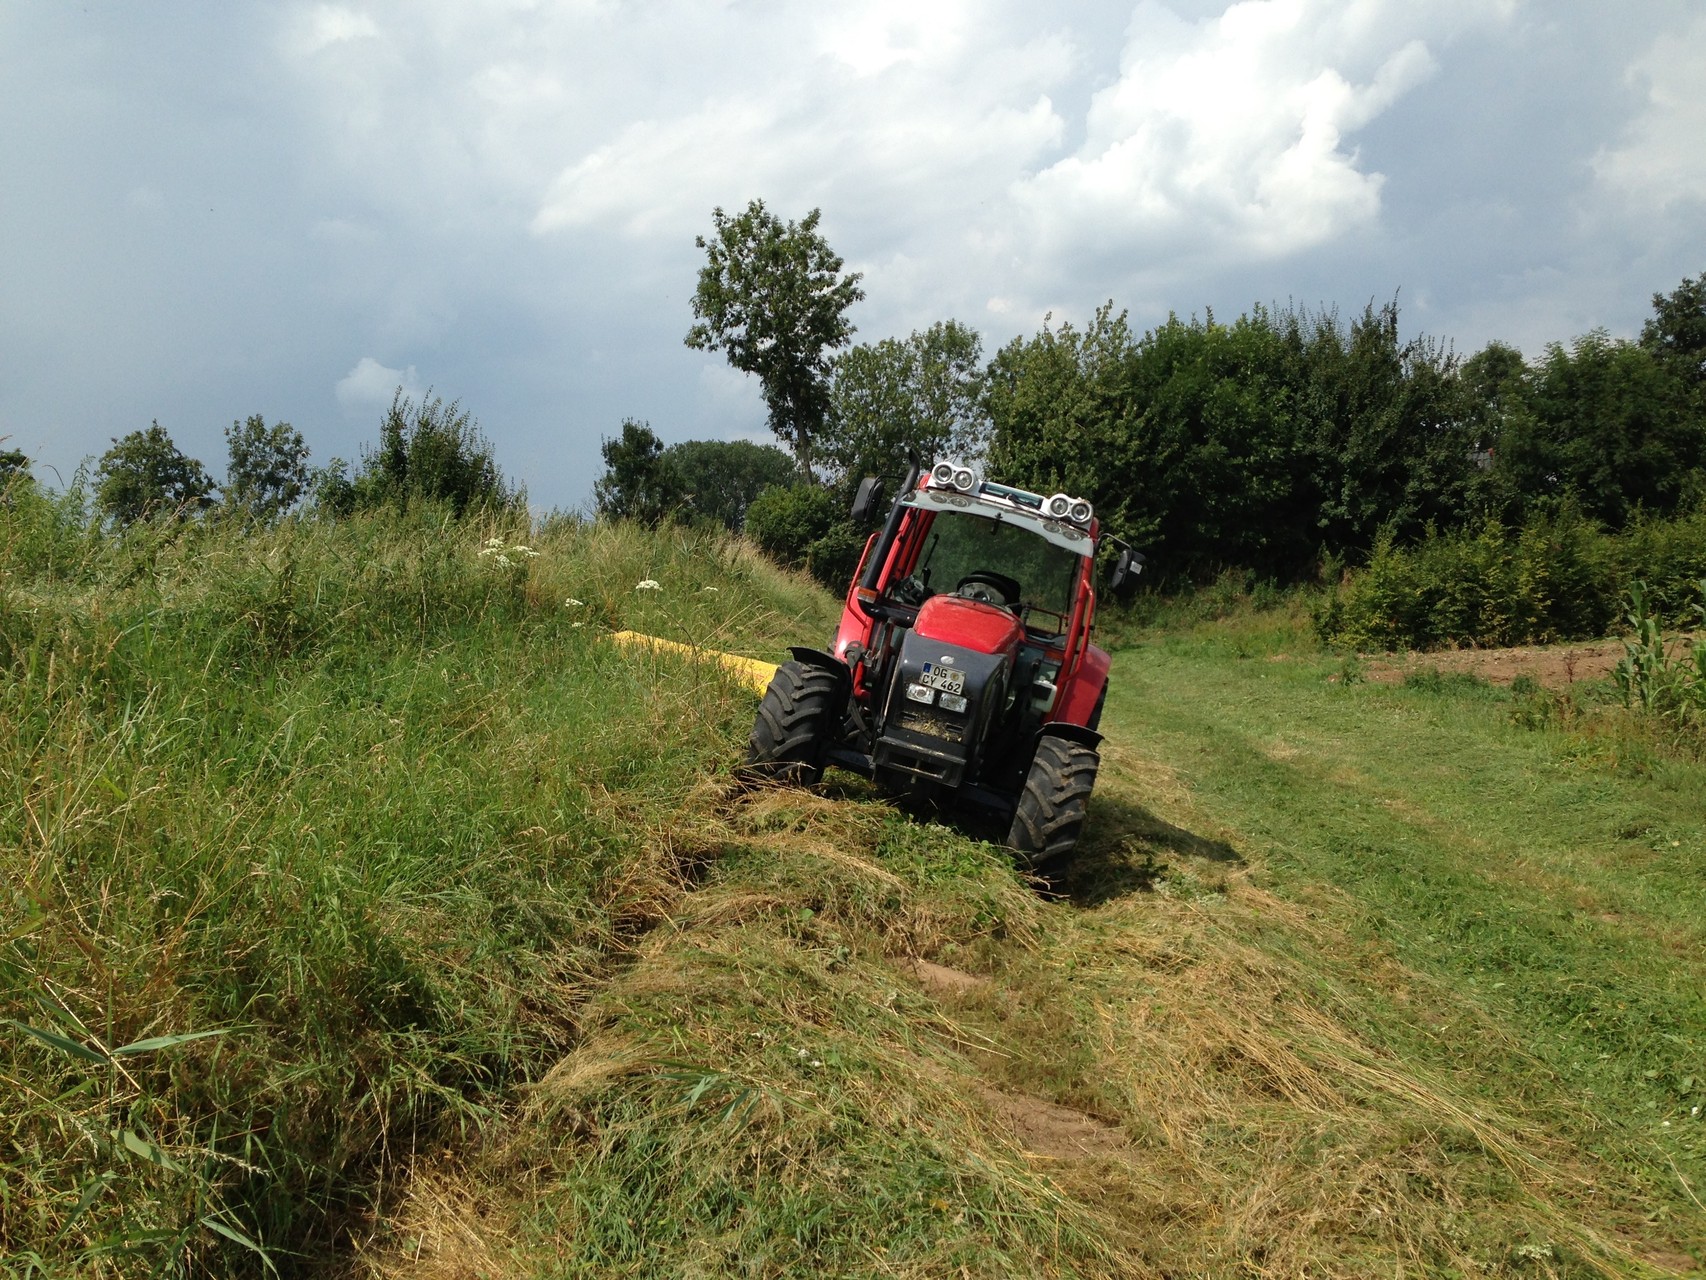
{"x": 944, "y": 678}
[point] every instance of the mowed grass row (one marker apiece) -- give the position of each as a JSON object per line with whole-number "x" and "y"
{"x": 1490, "y": 935}
{"x": 365, "y": 810}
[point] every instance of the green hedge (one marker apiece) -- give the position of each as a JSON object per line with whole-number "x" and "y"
{"x": 1557, "y": 577}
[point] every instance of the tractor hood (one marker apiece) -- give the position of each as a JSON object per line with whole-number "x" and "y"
{"x": 982, "y": 628}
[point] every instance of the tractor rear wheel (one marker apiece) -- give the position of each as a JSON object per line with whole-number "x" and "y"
{"x": 1051, "y": 808}
{"x": 793, "y": 727}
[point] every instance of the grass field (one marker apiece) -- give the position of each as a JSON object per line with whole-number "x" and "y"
{"x": 495, "y": 973}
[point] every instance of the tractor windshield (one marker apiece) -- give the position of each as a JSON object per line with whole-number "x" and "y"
{"x": 960, "y": 543}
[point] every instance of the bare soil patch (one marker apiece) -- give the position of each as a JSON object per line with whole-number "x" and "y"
{"x": 1552, "y": 666}
{"x": 1046, "y": 1128}
{"x": 944, "y": 980}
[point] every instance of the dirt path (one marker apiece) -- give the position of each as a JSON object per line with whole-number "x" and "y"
{"x": 1553, "y": 666}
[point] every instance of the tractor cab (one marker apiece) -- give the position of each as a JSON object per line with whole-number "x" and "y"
{"x": 963, "y": 658}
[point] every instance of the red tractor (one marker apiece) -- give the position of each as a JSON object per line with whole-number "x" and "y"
{"x": 963, "y": 667}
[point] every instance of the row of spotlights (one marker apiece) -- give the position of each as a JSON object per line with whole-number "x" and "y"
{"x": 1061, "y": 506}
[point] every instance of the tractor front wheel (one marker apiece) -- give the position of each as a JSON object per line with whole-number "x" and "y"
{"x": 793, "y": 726}
{"x": 1051, "y": 808}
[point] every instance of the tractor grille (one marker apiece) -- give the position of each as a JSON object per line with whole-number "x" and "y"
{"x": 931, "y": 726}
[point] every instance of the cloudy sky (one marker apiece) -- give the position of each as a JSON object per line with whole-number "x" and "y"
{"x": 212, "y": 210}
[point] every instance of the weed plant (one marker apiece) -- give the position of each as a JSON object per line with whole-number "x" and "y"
{"x": 1659, "y": 675}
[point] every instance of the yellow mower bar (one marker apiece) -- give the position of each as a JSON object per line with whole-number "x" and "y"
{"x": 749, "y": 671}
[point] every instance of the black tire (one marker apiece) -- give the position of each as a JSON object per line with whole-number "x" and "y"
{"x": 793, "y": 726}
{"x": 1051, "y": 808}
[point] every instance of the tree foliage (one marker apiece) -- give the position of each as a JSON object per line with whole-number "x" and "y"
{"x": 14, "y": 463}
{"x": 771, "y": 295}
{"x": 721, "y": 478}
{"x": 267, "y": 473}
{"x": 1676, "y": 332}
{"x": 144, "y": 475}
{"x": 639, "y": 481}
{"x": 1286, "y": 436}
{"x": 900, "y": 401}
{"x": 1606, "y": 423}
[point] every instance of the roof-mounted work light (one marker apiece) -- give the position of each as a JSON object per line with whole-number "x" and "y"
{"x": 953, "y": 475}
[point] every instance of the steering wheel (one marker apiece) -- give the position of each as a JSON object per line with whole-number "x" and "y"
{"x": 988, "y": 587}
{"x": 910, "y": 591}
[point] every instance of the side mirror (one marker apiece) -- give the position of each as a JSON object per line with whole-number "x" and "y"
{"x": 1128, "y": 565}
{"x": 867, "y": 500}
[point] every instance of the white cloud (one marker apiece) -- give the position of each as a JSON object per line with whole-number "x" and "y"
{"x": 324, "y": 25}
{"x": 1231, "y": 136}
{"x": 1662, "y": 159}
{"x": 370, "y": 385}
{"x": 876, "y": 36}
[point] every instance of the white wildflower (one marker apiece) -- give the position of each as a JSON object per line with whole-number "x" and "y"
{"x": 505, "y": 555}
{"x": 648, "y": 584}
{"x": 712, "y": 590}
{"x": 572, "y": 603}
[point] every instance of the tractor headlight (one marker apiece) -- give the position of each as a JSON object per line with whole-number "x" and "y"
{"x": 921, "y": 693}
{"x": 952, "y": 702}
{"x": 1058, "y": 506}
{"x": 1080, "y": 511}
{"x": 964, "y": 480}
{"x": 942, "y": 474}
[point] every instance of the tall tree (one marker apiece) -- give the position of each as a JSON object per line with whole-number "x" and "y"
{"x": 267, "y": 472}
{"x": 1604, "y": 420}
{"x": 1677, "y": 331}
{"x": 144, "y": 474}
{"x": 771, "y": 295}
{"x": 639, "y": 481}
{"x": 907, "y": 400}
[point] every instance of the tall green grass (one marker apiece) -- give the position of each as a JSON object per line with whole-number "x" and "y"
{"x": 312, "y": 841}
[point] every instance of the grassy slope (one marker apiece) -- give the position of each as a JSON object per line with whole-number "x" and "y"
{"x": 515, "y": 983}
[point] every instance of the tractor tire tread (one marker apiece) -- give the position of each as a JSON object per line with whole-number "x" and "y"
{"x": 1052, "y": 806}
{"x": 792, "y": 726}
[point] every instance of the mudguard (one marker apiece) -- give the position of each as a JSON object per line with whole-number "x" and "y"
{"x": 818, "y": 658}
{"x": 1072, "y": 733}
{"x": 1078, "y": 699}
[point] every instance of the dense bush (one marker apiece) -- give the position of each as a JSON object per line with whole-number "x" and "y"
{"x": 1558, "y": 576}
{"x": 429, "y": 452}
{"x": 1661, "y": 675}
{"x": 803, "y": 526}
